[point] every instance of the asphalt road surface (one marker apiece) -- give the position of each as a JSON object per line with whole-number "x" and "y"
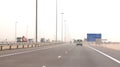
{"x": 64, "y": 55}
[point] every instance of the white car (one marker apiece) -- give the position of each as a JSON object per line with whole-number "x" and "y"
{"x": 79, "y": 42}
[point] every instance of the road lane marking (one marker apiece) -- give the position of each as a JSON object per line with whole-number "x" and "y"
{"x": 105, "y": 55}
{"x": 59, "y": 57}
{"x": 12, "y": 54}
{"x": 44, "y": 66}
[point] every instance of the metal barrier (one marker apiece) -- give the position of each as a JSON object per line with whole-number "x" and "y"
{"x": 23, "y": 45}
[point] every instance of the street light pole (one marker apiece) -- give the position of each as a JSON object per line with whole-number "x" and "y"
{"x": 36, "y": 19}
{"x": 27, "y": 31}
{"x": 15, "y": 31}
{"x": 62, "y": 26}
{"x": 65, "y": 31}
{"x": 56, "y": 18}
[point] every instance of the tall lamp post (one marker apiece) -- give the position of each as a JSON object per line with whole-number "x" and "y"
{"x": 62, "y": 26}
{"x": 15, "y": 31}
{"x": 27, "y": 31}
{"x": 56, "y": 18}
{"x": 36, "y": 20}
{"x": 65, "y": 30}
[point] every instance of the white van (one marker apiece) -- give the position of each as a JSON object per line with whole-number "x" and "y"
{"x": 79, "y": 42}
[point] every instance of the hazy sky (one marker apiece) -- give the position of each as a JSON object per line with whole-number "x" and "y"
{"x": 81, "y": 17}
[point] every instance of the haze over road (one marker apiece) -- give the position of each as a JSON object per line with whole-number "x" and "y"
{"x": 64, "y": 55}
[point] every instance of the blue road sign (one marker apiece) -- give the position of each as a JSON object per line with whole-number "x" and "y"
{"x": 93, "y": 37}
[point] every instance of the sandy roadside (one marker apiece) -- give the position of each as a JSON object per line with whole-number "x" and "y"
{"x": 110, "y": 46}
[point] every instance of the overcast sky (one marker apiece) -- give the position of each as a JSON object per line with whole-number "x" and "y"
{"x": 81, "y": 17}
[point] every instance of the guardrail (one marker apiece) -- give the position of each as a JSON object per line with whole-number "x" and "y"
{"x": 23, "y": 45}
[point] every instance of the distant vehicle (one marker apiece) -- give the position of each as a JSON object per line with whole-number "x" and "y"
{"x": 24, "y": 39}
{"x": 79, "y": 42}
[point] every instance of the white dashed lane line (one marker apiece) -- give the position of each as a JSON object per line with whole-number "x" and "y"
{"x": 44, "y": 66}
{"x": 59, "y": 57}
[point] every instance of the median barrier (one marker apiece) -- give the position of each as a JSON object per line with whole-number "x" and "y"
{"x": 1, "y": 48}
{"x": 17, "y": 46}
{"x": 23, "y": 45}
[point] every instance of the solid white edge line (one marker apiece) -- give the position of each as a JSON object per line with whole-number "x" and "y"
{"x": 6, "y": 55}
{"x": 105, "y": 55}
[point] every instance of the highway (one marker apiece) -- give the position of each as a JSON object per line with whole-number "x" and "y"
{"x": 62, "y": 55}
